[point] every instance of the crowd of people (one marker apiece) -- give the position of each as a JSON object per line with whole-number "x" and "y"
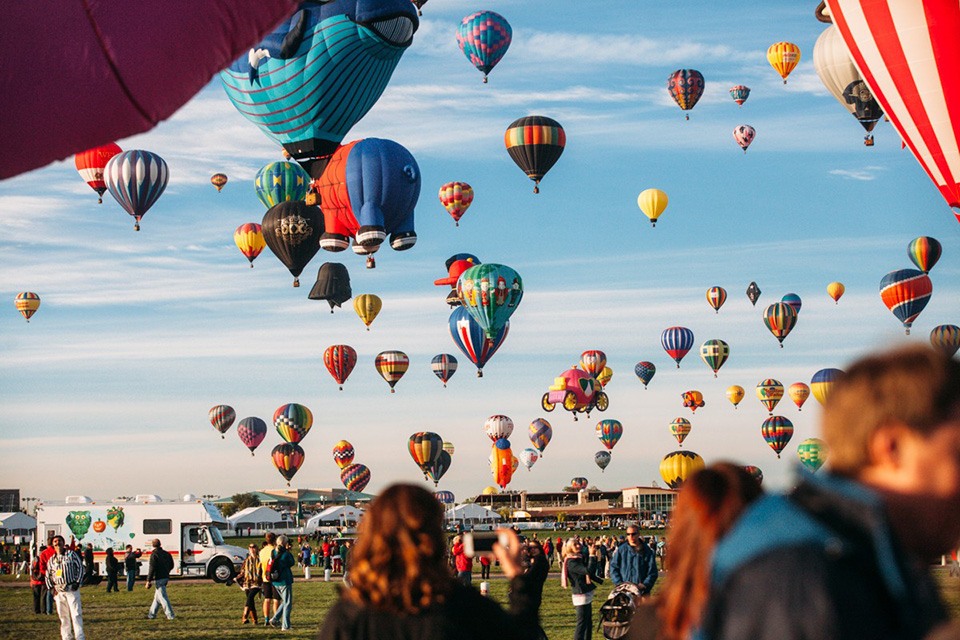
{"x": 844, "y": 554}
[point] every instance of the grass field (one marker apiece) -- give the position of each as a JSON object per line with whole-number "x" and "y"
{"x": 208, "y": 610}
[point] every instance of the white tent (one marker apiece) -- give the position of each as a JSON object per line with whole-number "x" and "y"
{"x": 473, "y": 516}
{"x": 337, "y": 516}
{"x": 17, "y": 523}
{"x": 257, "y": 518}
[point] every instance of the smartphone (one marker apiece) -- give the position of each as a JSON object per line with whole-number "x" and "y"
{"x": 479, "y": 542}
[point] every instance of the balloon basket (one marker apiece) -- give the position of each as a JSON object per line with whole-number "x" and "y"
{"x": 251, "y": 265}
{"x": 296, "y": 282}
{"x": 223, "y": 437}
{"x": 392, "y": 390}
{"x": 687, "y": 117}
{"x": 341, "y": 388}
{"x": 251, "y": 454}
{"x": 479, "y": 373}
{"x": 484, "y": 79}
{"x": 100, "y": 200}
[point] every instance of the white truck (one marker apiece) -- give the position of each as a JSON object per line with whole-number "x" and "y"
{"x": 188, "y": 529}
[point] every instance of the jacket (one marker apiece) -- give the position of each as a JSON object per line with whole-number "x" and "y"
{"x": 130, "y": 562}
{"x": 250, "y": 573}
{"x": 161, "y": 564}
{"x": 636, "y": 566}
{"x": 465, "y": 615}
{"x": 65, "y": 572}
{"x": 821, "y": 562}
{"x": 461, "y": 561}
{"x": 577, "y": 572}
{"x": 112, "y": 565}
{"x": 283, "y": 560}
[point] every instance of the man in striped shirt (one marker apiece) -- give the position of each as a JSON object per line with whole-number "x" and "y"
{"x": 64, "y": 577}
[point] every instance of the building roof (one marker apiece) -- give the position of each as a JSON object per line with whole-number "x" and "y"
{"x": 252, "y": 515}
{"x": 17, "y": 520}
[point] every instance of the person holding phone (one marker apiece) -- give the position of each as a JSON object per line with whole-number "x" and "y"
{"x": 401, "y": 585}
{"x": 578, "y": 575}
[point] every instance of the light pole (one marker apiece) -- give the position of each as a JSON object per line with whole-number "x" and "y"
{"x": 27, "y": 507}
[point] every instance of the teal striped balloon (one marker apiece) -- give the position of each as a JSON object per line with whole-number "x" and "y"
{"x": 281, "y": 182}
{"x": 490, "y": 293}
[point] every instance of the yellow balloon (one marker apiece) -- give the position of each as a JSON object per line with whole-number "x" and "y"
{"x": 678, "y": 466}
{"x": 783, "y": 56}
{"x": 367, "y": 307}
{"x": 652, "y": 202}
{"x": 835, "y": 290}
{"x": 490, "y": 491}
{"x": 735, "y": 394}
{"x": 605, "y": 376}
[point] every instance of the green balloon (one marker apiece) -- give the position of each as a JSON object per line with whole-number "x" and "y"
{"x": 281, "y": 182}
{"x": 812, "y": 453}
{"x": 490, "y": 293}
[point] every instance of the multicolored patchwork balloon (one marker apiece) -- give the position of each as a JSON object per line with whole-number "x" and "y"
{"x": 769, "y": 392}
{"x": 716, "y": 296}
{"x": 293, "y": 422}
{"x": 490, "y": 293}
{"x": 456, "y": 198}
{"x": 425, "y": 448}
{"x": 343, "y": 454}
{"x": 540, "y": 434}
{"x": 281, "y": 182}
{"x": 645, "y": 371}
{"x": 609, "y": 432}
{"x": 222, "y": 417}
{"x": 714, "y": 353}
{"x": 777, "y": 431}
{"x": 443, "y": 366}
{"x": 946, "y": 337}
{"x": 579, "y": 483}
{"x": 484, "y": 38}
{"x": 680, "y": 428}
{"x": 906, "y": 293}
{"x": 780, "y": 319}
{"x": 812, "y": 453}
{"x": 355, "y": 477}
{"x": 252, "y": 431}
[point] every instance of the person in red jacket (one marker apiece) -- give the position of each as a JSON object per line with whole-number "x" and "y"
{"x": 462, "y": 562}
{"x": 45, "y": 554}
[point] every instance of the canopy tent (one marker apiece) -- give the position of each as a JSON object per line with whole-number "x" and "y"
{"x": 258, "y": 518}
{"x": 473, "y": 516}
{"x": 339, "y": 516}
{"x": 17, "y": 523}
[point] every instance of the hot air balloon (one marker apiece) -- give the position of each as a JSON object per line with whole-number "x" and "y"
{"x": 27, "y": 303}
{"x": 680, "y": 428}
{"x": 906, "y": 292}
{"x": 905, "y": 57}
{"x": 456, "y": 198}
{"x": 293, "y": 422}
{"x": 714, "y": 353}
{"x": 219, "y": 180}
{"x": 645, "y": 371}
{"x": 822, "y": 383}
{"x": 136, "y": 179}
{"x": 252, "y": 431}
{"x": 281, "y": 182}
{"x": 716, "y": 296}
{"x": 753, "y": 293}
{"x": 292, "y": 230}
{"x": 391, "y": 365}
{"x": 249, "y": 239}
{"x": 685, "y": 87}
{"x": 528, "y": 457}
{"x": 287, "y": 458}
{"x": 652, "y": 203}
{"x": 602, "y": 459}
{"x": 367, "y": 306}
{"x": 332, "y": 285}
{"x": 490, "y": 491}
{"x": 340, "y": 359}
{"x": 783, "y": 57}
{"x": 540, "y": 434}
{"x": 484, "y": 38}
{"x": 449, "y": 448}
{"x": 609, "y": 432}
{"x": 744, "y": 135}
{"x": 780, "y": 319}
{"x": 812, "y": 453}
{"x": 735, "y": 394}
{"x": 456, "y": 265}
{"x": 445, "y": 497}
{"x": 692, "y": 400}
{"x": 755, "y": 472}
{"x": 835, "y": 290}
{"x": 222, "y": 417}
{"x": 490, "y": 293}
{"x": 769, "y": 392}
{"x": 579, "y": 483}
{"x": 501, "y": 463}
{"x": 777, "y": 432}
{"x": 946, "y": 337}
{"x": 798, "y": 392}
{"x": 535, "y": 143}
{"x": 605, "y": 376}
{"x": 471, "y": 339}
{"x": 677, "y": 342}
{"x": 678, "y": 466}
{"x": 307, "y": 83}
{"x": 91, "y": 163}
{"x": 438, "y": 467}
{"x": 355, "y": 477}
{"x": 497, "y": 427}
{"x": 443, "y": 366}
{"x": 740, "y": 93}
{"x": 793, "y": 300}
{"x": 343, "y": 453}
{"x": 593, "y": 361}
{"x": 924, "y": 252}
{"x": 425, "y": 448}
{"x": 841, "y": 78}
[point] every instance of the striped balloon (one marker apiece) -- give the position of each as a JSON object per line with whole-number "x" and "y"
{"x": 678, "y": 466}
{"x": 540, "y": 434}
{"x": 677, "y": 342}
{"x": 456, "y": 198}
{"x": 252, "y": 431}
{"x": 777, "y": 432}
{"x": 249, "y": 239}
{"x": 793, "y": 300}
{"x": 293, "y": 422}
{"x": 449, "y": 448}
{"x": 91, "y": 163}
{"x": 908, "y": 54}
{"x": 445, "y": 497}
{"x": 740, "y": 93}
{"x": 222, "y": 417}
{"x": 391, "y": 365}
{"x": 355, "y": 477}
{"x": 685, "y": 87}
{"x": 755, "y": 472}
{"x": 579, "y": 483}
{"x": 946, "y": 337}
{"x": 471, "y": 339}
{"x": 783, "y": 57}
{"x": 593, "y": 361}
{"x": 340, "y": 359}
{"x": 924, "y": 252}
{"x": 484, "y": 38}
{"x": 443, "y": 366}
{"x": 714, "y": 353}
{"x": 343, "y": 453}
{"x": 281, "y": 182}
{"x": 812, "y": 453}
{"x": 780, "y": 319}
{"x": 497, "y": 427}
{"x": 609, "y": 432}
{"x": 769, "y": 392}
{"x": 906, "y": 292}
{"x": 27, "y": 303}
{"x": 645, "y": 371}
{"x": 535, "y": 143}
{"x": 822, "y": 383}
{"x": 425, "y": 448}
{"x": 136, "y": 179}
{"x": 716, "y": 296}
{"x": 680, "y": 428}
{"x": 287, "y": 458}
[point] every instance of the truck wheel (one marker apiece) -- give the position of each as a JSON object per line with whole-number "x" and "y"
{"x": 221, "y": 570}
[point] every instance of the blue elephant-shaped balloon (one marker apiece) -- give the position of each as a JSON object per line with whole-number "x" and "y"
{"x": 307, "y": 83}
{"x": 369, "y": 190}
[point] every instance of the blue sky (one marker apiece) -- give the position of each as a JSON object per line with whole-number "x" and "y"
{"x": 106, "y": 391}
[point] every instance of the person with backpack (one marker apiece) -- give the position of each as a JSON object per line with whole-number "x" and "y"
{"x": 158, "y": 572}
{"x": 576, "y": 574}
{"x": 281, "y": 576}
{"x": 270, "y": 600}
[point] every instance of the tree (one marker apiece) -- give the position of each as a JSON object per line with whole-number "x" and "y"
{"x": 240, "y": 502}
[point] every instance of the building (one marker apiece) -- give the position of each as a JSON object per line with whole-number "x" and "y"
{"x": 16, "y": 523}
{"x": 9, "y": 500}
{"x": 650, "y": 502}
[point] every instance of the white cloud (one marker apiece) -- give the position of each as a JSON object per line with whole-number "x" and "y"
{"x": 865, "y": 174}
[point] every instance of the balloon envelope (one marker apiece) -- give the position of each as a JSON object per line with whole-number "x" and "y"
{"x": 653, "y": 202}
{"x": 91, "y": 164}
{"x": 777, "y": 431}
{"x": 602, "y": 459}
{"x": 249, "y": 239}
{"x": 281, "y": 182}
{"x": 735, "y": 394}
{"x": 677, "y": 342}
{"x": 332, "y": 285}
{"x": 906, "y": 293}
{"x": 812, "y": 453}
{"x": 540, "y": 434}
{"x": 484, "y": 38}
{"x": 645, "y": 371}
{"x": 340, "y": 359}
{"x": 497, "y": 427}
{"x": 609, "y": 432}
{"x": 443, "y": 366}
{"x": 287, "y": 458}
{"x": 535, "y": 143}
{"x": 835, "y": 290}
{"x": 391, "y": 365}
{"x": 946, "y": 337}
{"x": 924, "y": 252}
{"x": 222, "y": 417}
{"x": 27, "y": 303}
{"x": 685, "y": 86}
{"x": 252, "y": 431}
{"x": 678, "y": 466}
{"x": 471, "y": 339}
{"x": 292, "y": 230}
{"x": 293, "y": 422}
{"x": 822, "y": 383}
{"x": 136, "y": 179}
{"x": 355, "y": 477}
{"x": 783, "y": 57}
{"x": 769, "y": 392}
{"x": 343, "y": 453}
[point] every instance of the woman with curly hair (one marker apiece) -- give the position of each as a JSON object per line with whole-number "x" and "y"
{"x": 402, "y": 587}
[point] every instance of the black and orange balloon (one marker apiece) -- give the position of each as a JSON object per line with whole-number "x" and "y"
{"x": 292, "y": 230}
{"x": 535, "y": 143}
{"x": 287, "y": 458}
